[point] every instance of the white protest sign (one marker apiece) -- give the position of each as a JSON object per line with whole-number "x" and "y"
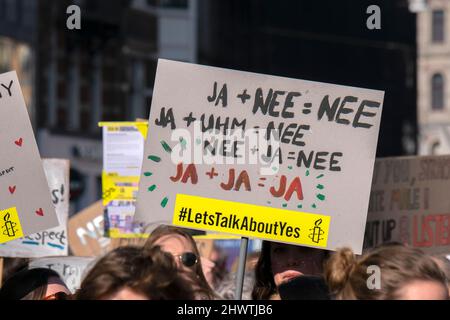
{"x": 25, "y": 202}
{"x": 259, "y": 156}
{"x": 71, "y": 269}
{"x": 123, "y": 145}
{"x": 51, "y": 242}
{"x": 409, "y": 203}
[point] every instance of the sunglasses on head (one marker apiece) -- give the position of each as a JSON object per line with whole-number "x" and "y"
{"x": 188, "y": 259}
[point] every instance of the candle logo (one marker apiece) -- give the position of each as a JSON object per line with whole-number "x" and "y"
{"x": 316, "y": 232}
{"x": 9, "y": 226}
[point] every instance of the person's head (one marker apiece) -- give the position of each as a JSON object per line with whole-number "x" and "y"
{"x": 405, "y": 273}
{"x": 183, "y": 248}
{"x": 12, "y": 266}
{"x": 34, "y": 284}
{"x": 279, "y": 262}
{"x": 443, "y": 262}
{"x": 132, "y": 273}
{"x": 217, "y": 271}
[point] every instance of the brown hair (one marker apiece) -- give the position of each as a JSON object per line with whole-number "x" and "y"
{"x": 28, "y": 284}
{"x": 12, "y": 266}
{"x": 444, "y": 264}
{"x": 264, "y": 283}
{"x": 265, "y": 286}
{"x": 152, "y": 273}
{"x": 347, "y": 276}
{"x": 198, "y": 280}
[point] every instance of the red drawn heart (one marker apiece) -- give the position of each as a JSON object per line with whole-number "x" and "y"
{"x": 12, "y": 189}
{"x": 40, "y": 212}
{"x": 19, "y": 142}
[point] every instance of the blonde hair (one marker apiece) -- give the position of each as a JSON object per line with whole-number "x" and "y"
{"x": 198, "y": 280}
{"x": 347, "y": 275}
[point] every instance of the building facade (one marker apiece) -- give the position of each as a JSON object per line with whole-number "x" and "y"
{"x": 325, "y": 41}
{"x": 18, "y": 37}
{"x": 72, "y": 79}
{"x": 433, "y": 77}
{"x": 105, "y": 71}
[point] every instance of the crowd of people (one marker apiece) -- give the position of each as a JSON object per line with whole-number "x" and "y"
{"x": 169, "y": 267}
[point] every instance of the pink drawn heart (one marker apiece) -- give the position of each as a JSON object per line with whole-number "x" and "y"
{"x": 40, "y": 212}
{"x": 12, "y": 189}
{"x": 19, "y": 142}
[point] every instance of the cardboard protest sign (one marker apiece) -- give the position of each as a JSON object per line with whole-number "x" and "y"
{"x": 259, "y": 156}
{"x": 25, "y": 203}
{"x": 51, "y": 242}
{"x": 71, "y": 269}
{"x": 86, "y": 232}
{"x": 409, "y": 203}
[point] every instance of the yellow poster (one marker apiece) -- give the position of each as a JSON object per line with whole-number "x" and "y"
{"x": 123, "y": 147}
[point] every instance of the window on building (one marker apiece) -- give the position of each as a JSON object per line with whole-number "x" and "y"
{"x": 19, "y": 10}
{"x": 62, "y": 120}
{"x": 437, "y": 92}
{"x": 434, "y": 147}
{"x": 437, "y": 34}
{"x": 11, "y": 10}
{"x": 174, "y": 4}
{"x": 2, "y": 9}
{"x": 150, "y": 72}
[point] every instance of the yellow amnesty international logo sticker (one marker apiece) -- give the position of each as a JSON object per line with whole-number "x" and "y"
{"x": 10, "y": 225}
{"x": 251, "y": 220}
{"x": 115, "y": 187}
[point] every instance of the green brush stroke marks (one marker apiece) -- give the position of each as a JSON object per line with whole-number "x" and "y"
{"x": 183, "y": 143}
{"x": 299, "y": 206}
{"x": 151, "y": 188}
{"x": 154, "y": 158}
{"x": 319, "y": 176}
{"x": 164, "y": 202}
{"x": 319, "y": 186}
{"x": 307, "y": 173}
{"x": 284, "y": 205}
{"x": 274, "y": 168}
{"x": 166, "y": 147}
{"x": 147, "y": 174}
{"x": 290, "y": 167}
{"x": 314, "y": 205}
{"x": 321, "y": 197}
{"x": 198, "y": 141}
